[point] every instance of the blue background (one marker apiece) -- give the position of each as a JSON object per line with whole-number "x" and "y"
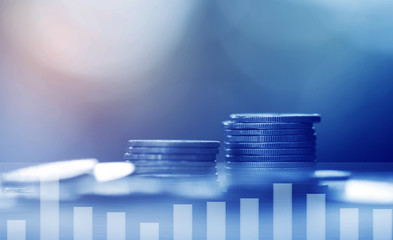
{"x": 328, "y": 57}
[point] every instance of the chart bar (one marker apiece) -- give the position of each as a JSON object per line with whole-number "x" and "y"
{"x": 316, "y": 217}
{"x": 216, "y": 221}
{"x": 149, "y": 231}
{"x": 49, "y": 209}
{"x": 83, "y": 223}
{"x": 282, "y": 211}
{"x": 382, "y": 224}
{"x": 349, "y": 224}
{"x": 16, "y": 230}
{"x": 116, "y": 226}
{"x": 182, "y": 222}
{"x": 249, "y": 219}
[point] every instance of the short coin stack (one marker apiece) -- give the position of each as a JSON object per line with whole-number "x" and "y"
{"x": 261, "y": 144}
{"x": 173, "y": 158}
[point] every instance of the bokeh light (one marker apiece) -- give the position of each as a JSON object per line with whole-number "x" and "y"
{"x": 95, "y": 39}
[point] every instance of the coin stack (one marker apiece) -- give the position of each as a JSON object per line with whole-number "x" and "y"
{"x": 263, "y": 145}
{"x": 173, "y": 158}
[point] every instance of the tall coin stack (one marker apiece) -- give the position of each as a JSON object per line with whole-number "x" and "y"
{"x": 173, "y": 158}
{"x": 280, "y": 146}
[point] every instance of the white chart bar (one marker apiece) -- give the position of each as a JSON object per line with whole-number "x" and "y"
{"x": 382, "y": 224}
{"x": 316, "y": 216}
{"x": 116, "y": 226}
{"x": 216, "y": 221}
{"x": 282, "y": 211}
{"x": 349, "y": 224}
{"x": 249, "y": 219}
{"x": 83, "y": 223}
{"x": 16, "y": 230}
{"x": 49, "y": 210}
{"x": 149, "y": 231}
{"x": 182, "y": 222}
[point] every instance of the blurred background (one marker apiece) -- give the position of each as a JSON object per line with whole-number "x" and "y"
{"x": 80, "y": 78}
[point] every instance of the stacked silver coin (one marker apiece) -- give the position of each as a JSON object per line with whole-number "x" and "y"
{"x": 263, "y": 144}
{"x": 173, "y": 158}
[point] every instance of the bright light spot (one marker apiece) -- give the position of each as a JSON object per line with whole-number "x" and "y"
{"x": 52, "y": 171}
{"x": 104, "y": 172}
{"x": 331, "y": 174}
{"x": 365, "y": 191}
